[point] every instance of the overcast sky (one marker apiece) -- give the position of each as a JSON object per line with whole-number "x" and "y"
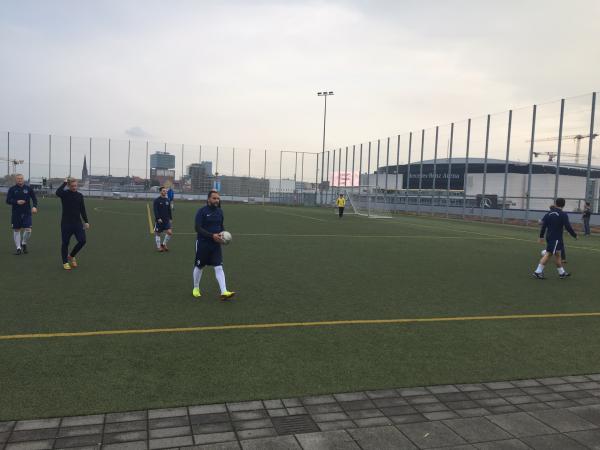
{"x": 246, "y": 73}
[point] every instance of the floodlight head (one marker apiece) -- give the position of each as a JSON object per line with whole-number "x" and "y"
{"x": 330, "y": 93}
{"x": 319, "y": 93}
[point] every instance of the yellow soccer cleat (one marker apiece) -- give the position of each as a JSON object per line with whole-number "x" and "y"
{"x": 72, "y": 262}
{"x": 227, "y": 295}
{"x": 196, "y": 292}
{"x": 66, "y": 266}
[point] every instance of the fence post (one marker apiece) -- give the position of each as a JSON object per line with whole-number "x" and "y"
{"x": 531, "y": 147}
{"x": 49, "y": 157}
{"x": 485, "y": 160}
{"x": 408, "y": 170}
{"x": 29, "y": 160}
{"x": 506, "y": 162}
{"x": 590, "y": 147}
{"x": 90, "y": 169}
{"x": 421, "y": 172}
{"x": 353, "y": 158}
{"x": 560, "y": 134}
{"x": 70, "y": 154}
{"x": 466, "y": 174}
{"x": 449, "y": 169}
{"x": 433, "y": 183}
{"x": 397, "y": 166}
{"x": 387, "y": 170}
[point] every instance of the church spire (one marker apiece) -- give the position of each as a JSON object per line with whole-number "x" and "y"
{"x": 84, "y": 171}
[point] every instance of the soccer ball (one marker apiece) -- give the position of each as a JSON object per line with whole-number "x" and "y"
{"x": 226, "y": 236}
{"x": 543, "y": 252}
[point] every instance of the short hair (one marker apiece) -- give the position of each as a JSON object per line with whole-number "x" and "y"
{"x": 17, "y": 175}
{"x": 588, "y": 203}
{"x": 211, "y": 192}
{"x": 560, "y": 202}
{"x": 161, "y": 188}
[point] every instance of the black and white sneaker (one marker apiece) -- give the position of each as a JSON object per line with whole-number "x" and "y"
{"x": 539, "y": 276}
{"x": 564, "y": 275}
{"x": 18, "y": 252}
{"x": 25, "y": 248}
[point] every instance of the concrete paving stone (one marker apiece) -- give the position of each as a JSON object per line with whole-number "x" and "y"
{"x": 170, "y": 432}
{"x": 128, "y": 436}
{"x": 4, "y": 437}
{"x": 277, "y": 412}
{"x": 587, "y": 401}
{"x": 562, "y": 404}
{"x": 509, "y": 392}
{"x": 552, "y": 442}
{"x": 589, "y": 413}
{"x": 357, "y": 404}
{"x": 422, "y": 399}
{"x": 245, "y": 406}
{"x": 126, "y": 416}
{"x": 317, "y": 400}
{"x": 440, "y": 415}
{"x": 453, "y": 397}
{"x": 321, "y": 409}
{"x": 510, "y": 444}
{"x": 392, "y": 401}
{"x": 209, "y": 418}
{"x": 480, "y": 395}
{"x": 373, "y": 422}
{"x": 37, "y": 424}
{"x": 473, "y": 412}
{"x": 167, "y": 412}
{"x": 398, "y": 410}
{"x": 477, "y": 429}
{"x": 591, "y": 438}
{"x": 6, "y": 426}
{"x": 291, "y": 402}
{"x": 253, "y": 424}
{"x": 431, "y": 434}
{"x": 272, "y": 443}
{"x": 336, "y": 425}
{"x": 117, "y": 427}
{"x": 97, "y": 419}
{"x": 273, "y": 404}
{"x": 212, "y": 428}
{"x": 379, "y": 438}
{"x": 465, "y": 404}
{"x": 525, "y": 383}
{"x": 297, "y": 411}
{"x": 492, "y": 402}
{"x": 207, "y": 409}
{"x": 459, "y": 447}
{"x": 137, "y": 445}
{"x": 551, "y": 381}
{"x": 249, "y": 415}
{"x": 528, "y": 407}
{"x": 587, "y": 385}
{"x": 503, "y": 409}
{"x": 431, "y": 407}
{"x": 169, "y": 422}
{"x": 365, "y": 413}
{"x": 213, "y": 438}
{"x": 549, "y": 397}
{"x": 537, "y": 390}
{"x": 563, "y": 420}
{"x": 327, "y": 417}
{"x": 79, "y": 431}
{"x": 499, "y": 385}
{"x": 520, "y": 399}
{"x": 470, "y": 387}
{"x": 350, "y": 396}
{"x": 520, "y": 424}
{"x": 30, "y": 445}
{"x": 443, "y": 389}
{"x": 410, "y": 392}
{"x": 232, "y": 445}
{"x": 408, "y": 418}
{"x": 327, "y": 440}
{"x": 33, "y": 435}
{"x": 576, "y": 379}
{"x": 77, "y": 441}
{"x": 85, "y": 447}
{"x": 578, "y": 394}
{"x": 563, "y": 387}
{"x": 383, "y": 393}
{"x": 594, "y": 376}
{"x": 256, "y": 433}
{"x": 170, "y": 442}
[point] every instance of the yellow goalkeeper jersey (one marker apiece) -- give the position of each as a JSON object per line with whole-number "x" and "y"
{"x": 340, "y": 202}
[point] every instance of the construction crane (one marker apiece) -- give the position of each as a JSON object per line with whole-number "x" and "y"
{"x": 577, "y": 137}
{"x": 14, "y": 162}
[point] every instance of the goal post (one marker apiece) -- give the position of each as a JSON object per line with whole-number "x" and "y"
{"x": 367, "y": 201}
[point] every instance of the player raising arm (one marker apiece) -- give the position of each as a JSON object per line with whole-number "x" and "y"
{"x": 73, "y": 210}
{"x": 209, "y": 225}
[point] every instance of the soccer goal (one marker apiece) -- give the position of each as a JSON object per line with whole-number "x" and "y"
{"x": 367, "y": 201}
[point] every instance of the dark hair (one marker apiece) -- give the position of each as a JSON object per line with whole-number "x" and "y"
{"x": 161, "y": 188}
{"x": 587, "y": 203}
{"x": 560, "y": 202}
{"x": 211, "y": 192}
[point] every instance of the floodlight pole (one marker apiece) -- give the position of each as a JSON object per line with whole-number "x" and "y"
{"x": 324, "y": 94}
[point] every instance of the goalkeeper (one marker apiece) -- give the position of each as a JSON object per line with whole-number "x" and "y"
{"x": 340, "y": 202}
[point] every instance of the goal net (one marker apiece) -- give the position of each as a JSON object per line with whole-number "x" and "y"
{"x": 367, "y": 201}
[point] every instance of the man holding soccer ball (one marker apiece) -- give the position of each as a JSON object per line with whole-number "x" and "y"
{"x": 210, "y": 236}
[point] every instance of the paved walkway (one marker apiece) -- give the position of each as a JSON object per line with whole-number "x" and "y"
{"x": 548, "y": 413}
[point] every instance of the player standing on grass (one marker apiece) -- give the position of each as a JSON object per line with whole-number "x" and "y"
{"x": 73, "y": 210}
{"x": 341, "y": 204}
{"x": 552, "y": 228}
{"x": 20, "y": 196}
{"x": 209, "y": 225}
{"x": 163, "y": 217}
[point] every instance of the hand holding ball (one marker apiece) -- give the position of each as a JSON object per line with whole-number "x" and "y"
{"x": 226, "y": 237}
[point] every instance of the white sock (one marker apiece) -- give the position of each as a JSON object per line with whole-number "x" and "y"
{"x": 167, "y": 239}
{"x": 157, "y": 239}
{"x": 561, "y": 270}
{"x": 220, "y": 274}
{"x": 26, "y": 235}
{"x": 17, "y": 238}
{"x": 540, "y": 268}
{"x": 197, "y": 276}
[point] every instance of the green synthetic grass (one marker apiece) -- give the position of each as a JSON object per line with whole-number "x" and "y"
{"x": 342, "y": 270}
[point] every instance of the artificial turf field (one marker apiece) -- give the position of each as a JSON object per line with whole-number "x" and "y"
{"x": 287, "y": 265}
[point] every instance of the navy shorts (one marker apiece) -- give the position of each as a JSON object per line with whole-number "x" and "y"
{"x": 21, "y": 220}
{"x": 161, "y": 227}
{"x": 554, "y": 246}
{"x": 208, "y": 254}
{"x": 75, "y": 229}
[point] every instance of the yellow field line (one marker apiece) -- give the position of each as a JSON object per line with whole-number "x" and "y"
{"x": 149, "y": 219}
{"x": 260, "y": 326}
